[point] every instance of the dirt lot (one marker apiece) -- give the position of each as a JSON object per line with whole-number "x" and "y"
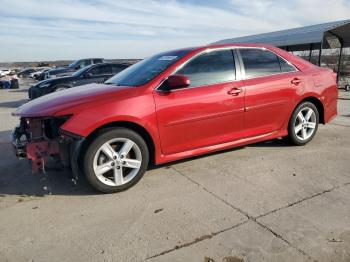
{"x": 263, "y": 202}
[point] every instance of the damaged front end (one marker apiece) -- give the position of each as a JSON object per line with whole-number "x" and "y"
{"x": 41, "y": 138}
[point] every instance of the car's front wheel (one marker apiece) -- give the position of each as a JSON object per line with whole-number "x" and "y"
{"x": 303, "y": 124}
{"x": 115, "y": 160}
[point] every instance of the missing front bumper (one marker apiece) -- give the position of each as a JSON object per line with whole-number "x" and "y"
{"x": 65, "y": 148}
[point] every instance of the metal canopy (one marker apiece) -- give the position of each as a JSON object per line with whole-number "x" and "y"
{"x": 298, "y": 36}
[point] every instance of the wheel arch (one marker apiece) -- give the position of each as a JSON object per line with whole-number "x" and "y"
{"x": 132, "y": 126}
{"x": 319, "y": 105}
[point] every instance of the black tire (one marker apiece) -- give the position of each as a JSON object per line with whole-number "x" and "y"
{"x": 292, "y": 138}
{"x": 102, "y": 137}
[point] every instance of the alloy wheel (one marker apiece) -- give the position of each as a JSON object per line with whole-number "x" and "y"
{"x": 305, "y": 123}
{"x": 117, "y": 161}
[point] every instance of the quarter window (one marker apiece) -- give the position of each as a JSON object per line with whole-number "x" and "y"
{"x": 209, "y": 68}
{"x": 285, "y": 66}
{"x": 259, "y": 62}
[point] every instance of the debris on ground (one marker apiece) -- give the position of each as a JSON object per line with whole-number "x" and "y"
{"x": 158, "y": 210}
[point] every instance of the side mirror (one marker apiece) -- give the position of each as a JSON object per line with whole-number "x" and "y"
{"x": 88, "y": 75}
{"x": 178, "y": 81}
{"x": 77, "y": 67}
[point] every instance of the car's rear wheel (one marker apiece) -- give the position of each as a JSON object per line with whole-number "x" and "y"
{"x": 303, "y": 124}
{"x": 60, "y": 88}
{"x": 115, "y": 160}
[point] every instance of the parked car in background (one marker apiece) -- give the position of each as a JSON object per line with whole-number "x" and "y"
{"x": 15, "y": 71}
{"x": 40, "y": 74}
{"x": 97, "y": 73}
{"x": 174, "y": 105}
{"x": 4, "y": 72}
{"x": 73, "y": 67}
{"x": 26, "y": 72}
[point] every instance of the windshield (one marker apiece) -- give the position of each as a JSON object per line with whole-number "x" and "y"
{"x": 82, "y": 71}
{"x": 147, "y": 69}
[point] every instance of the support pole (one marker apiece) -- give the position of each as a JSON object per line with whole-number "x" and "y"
{"x": 320, "y": 54}
{"x": 340, "y": 57}
{"x": 310, "y": 53}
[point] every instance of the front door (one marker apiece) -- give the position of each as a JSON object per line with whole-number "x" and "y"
{"x": 208, "y": 112}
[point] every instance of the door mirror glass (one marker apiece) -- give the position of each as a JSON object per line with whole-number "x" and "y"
{"x": 178, "y": 81}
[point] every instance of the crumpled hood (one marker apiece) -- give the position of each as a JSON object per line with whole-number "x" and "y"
{"x": 53, "y": 103}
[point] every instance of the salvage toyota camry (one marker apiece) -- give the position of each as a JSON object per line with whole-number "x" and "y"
{"x": 175, "y": 105}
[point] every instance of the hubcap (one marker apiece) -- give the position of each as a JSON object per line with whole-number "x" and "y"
{"x": 305, "y": 123}
{"x": 117, "y": 161}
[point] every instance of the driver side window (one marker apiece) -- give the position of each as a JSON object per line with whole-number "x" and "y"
{"x": 100, "y": 70}
{"x": 210, "y": 68}
{"x": 83, "y": 64}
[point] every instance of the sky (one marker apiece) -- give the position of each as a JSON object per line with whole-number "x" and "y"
{"x": 36, "y": 30}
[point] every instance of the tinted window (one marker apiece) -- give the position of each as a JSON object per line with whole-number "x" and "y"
{"x": 85, "y": 63}
{"x": 117, "y": 68}
{"x": 80, "y": 64}
{"x": 100, "y": 70}
{"x": 82, "y": 70}
{"x": 210, "y": 68}
{"x": 147, "y": 69}
{"x": 285, "y": 66}
{"x": 97, "y": 61}
{"x": 259, "y": 62}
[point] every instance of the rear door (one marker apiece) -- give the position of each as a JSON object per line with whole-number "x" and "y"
{"x": 208, "y": 112}
{"x": 271, "y": 84}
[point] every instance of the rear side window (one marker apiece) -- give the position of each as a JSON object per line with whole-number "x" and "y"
{"x": 259, "y": 62}
{"x": 101, "y": 70}
{"x": 209, "y": 68}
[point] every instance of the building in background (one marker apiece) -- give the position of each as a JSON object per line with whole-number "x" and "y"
{"x": 326, "y": 45}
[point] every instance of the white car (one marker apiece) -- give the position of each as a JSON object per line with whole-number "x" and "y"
{"x": 5, "y": 72}
{"x": 31, "y": 75}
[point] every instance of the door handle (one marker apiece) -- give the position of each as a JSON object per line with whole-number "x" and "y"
{"x": 235, "y": 91}
{"x": 296, "y": 81}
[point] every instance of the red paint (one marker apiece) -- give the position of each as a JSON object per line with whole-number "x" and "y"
{"x": 178, "y": 81}
{"x": 38, "y": 153}
{"x": 192, "y": 121}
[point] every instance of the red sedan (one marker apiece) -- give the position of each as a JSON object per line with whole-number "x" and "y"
{"x": 174, "y": 105}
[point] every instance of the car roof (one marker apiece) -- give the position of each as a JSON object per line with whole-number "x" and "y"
{"x": 218, "y": 46}
{"x": 89, "y": 58}
{"x": 237, "y": 45}
{"x": 108, "y": 63}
